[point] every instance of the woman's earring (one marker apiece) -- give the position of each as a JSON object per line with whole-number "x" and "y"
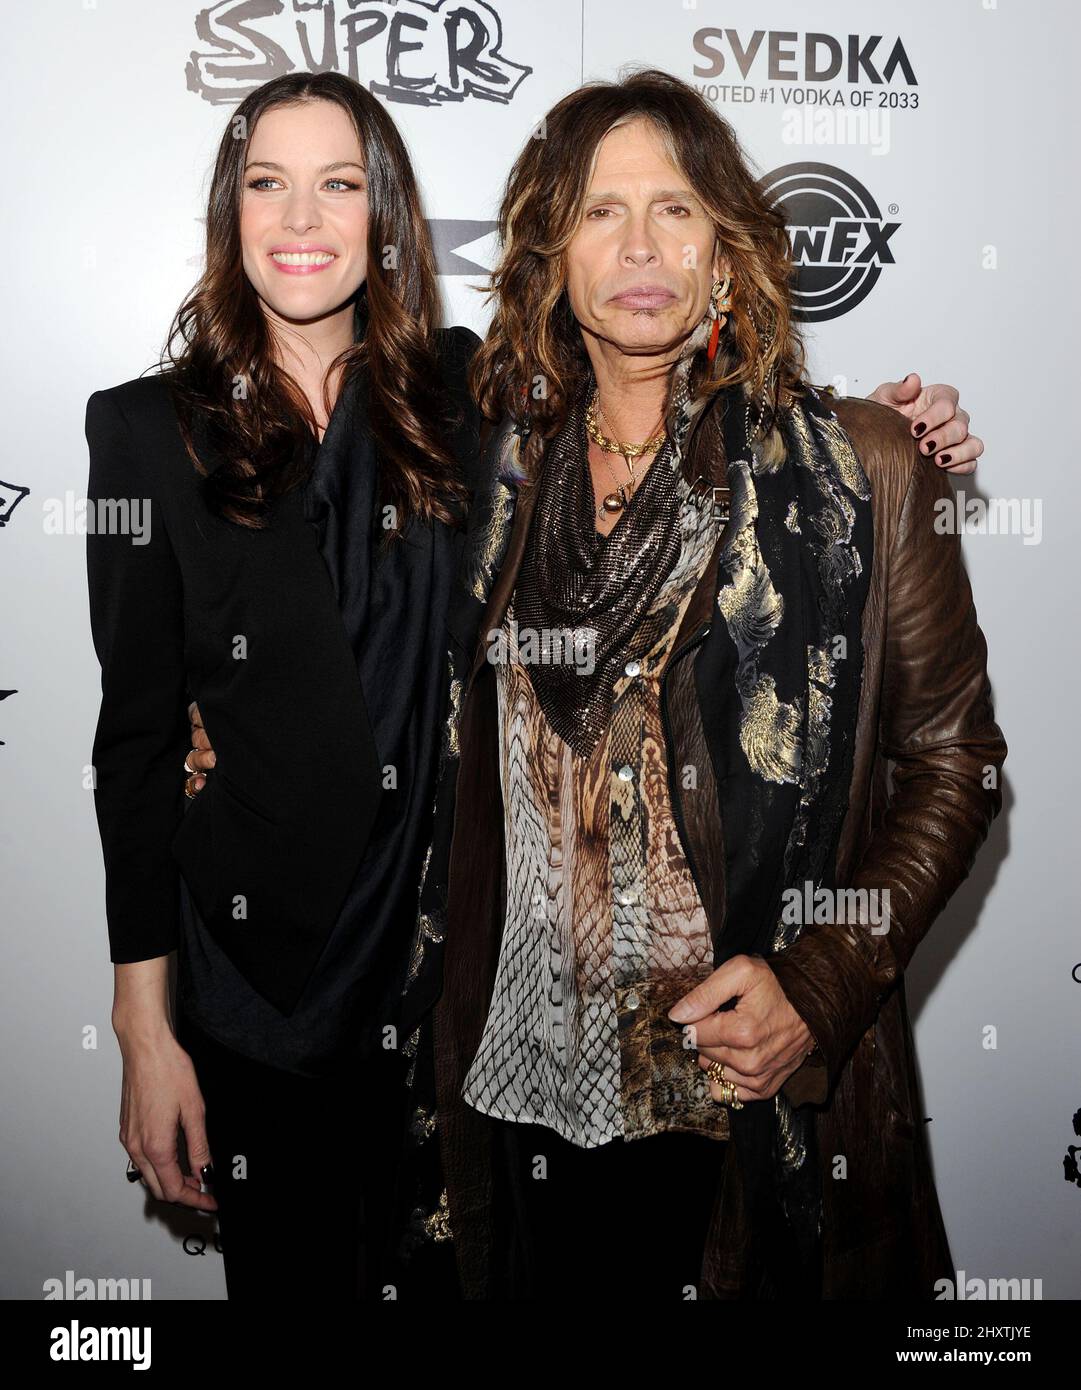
{"x": 720, "y": 302}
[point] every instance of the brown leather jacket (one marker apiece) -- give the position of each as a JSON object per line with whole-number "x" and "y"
{"x": 926, "y": 706}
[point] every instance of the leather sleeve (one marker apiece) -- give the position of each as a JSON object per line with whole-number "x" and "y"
{"x": 142, "y": 734}
{"x": 937, "y": 723}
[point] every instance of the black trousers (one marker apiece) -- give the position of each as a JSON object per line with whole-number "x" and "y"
{"x": 621, "y": 1222}
{"x": 305, "y": 1172}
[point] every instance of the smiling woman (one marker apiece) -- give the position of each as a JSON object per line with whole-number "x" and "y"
{"x": 305, "y": 453}
{"x": 314, "y": 217}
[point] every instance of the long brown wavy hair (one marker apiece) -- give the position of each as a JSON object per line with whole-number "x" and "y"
{"x": 220, "y": 336}
{"x": 534, "y": 334}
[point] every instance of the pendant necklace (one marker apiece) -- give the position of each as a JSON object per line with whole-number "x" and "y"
{"x": 617, "y": 500}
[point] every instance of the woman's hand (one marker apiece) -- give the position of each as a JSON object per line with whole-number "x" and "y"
{"x": 201, "y": 758}
{"x": 160, "y": 1093}
{"x": 935, "y": 419}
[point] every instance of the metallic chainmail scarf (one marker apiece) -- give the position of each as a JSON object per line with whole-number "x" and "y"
{"x": 580, "y": 591}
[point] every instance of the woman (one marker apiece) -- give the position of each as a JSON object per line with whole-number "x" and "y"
{"x": 646, "y": 1062}
{"x": 304, "y": 457}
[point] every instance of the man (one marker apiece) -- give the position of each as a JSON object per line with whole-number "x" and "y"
{"x": 673, "y": 736}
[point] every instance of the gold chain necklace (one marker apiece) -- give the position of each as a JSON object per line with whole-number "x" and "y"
{"x": 616, "y": 501}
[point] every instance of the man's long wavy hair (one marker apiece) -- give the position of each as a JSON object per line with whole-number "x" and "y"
{"x": 534, "y": 336}
{"x": 219, "y": 350}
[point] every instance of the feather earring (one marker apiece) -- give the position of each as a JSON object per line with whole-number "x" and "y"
{"x": 720, "y": 302}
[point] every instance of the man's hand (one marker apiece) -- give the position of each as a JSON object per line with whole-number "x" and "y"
{"x": 201, "y": 758}
{"x": 935, "y": 419}
{"x": 761, "y": 1042}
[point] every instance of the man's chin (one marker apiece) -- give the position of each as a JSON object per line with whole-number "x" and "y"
{"x": 653, "y": 346}
{"x": 645, "y": 333}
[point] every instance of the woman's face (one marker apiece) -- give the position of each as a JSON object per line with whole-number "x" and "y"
{"x": 641, "y": 264}
{"x": 304, "y": 210}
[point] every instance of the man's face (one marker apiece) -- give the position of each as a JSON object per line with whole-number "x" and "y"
{"x": 642, "y": 262}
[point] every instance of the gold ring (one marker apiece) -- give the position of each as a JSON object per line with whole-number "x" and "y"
{"x": 729, "y": 1093}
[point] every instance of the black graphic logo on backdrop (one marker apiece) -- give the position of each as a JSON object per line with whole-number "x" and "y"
{"x": 1071, "y": 1170}
{"x": 840, "y": 240}
{"x": 3, "y": 696}
{"x": 198, "y": 1243}
{"x": 786, "y": 56}
{"x": 11, "y": 494}
{"x": 423, "y": 54}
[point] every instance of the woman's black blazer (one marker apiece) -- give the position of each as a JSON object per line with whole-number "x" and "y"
{"x": 247, "y": 623}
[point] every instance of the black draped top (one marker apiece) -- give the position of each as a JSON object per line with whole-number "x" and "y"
{"x": 393, "y": 603}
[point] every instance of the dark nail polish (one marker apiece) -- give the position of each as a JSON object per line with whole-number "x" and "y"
{"x": 207, "y": 1172}
{"x": 917, "y": 430}
{"x": 944, "y": 459}
{"x": 930, "y": 446}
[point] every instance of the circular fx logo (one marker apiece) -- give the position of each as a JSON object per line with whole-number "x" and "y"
{"x": 840, "y": 241}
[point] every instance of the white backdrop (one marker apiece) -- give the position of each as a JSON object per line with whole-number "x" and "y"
{"x": 965, "y": 189}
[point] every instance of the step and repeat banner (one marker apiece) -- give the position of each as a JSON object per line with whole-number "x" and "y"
{"x": 924, "y": 152}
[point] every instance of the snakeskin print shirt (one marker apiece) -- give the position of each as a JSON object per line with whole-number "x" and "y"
{"x": 604, "y": 926}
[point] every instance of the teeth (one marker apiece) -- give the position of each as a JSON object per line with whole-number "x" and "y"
{"x": 302, "y": 257}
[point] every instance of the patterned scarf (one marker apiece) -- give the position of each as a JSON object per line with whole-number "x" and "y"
{"x": 779, "y": 688}
{"x": 595, "y": 589}
{"x": 780, "y": 696}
